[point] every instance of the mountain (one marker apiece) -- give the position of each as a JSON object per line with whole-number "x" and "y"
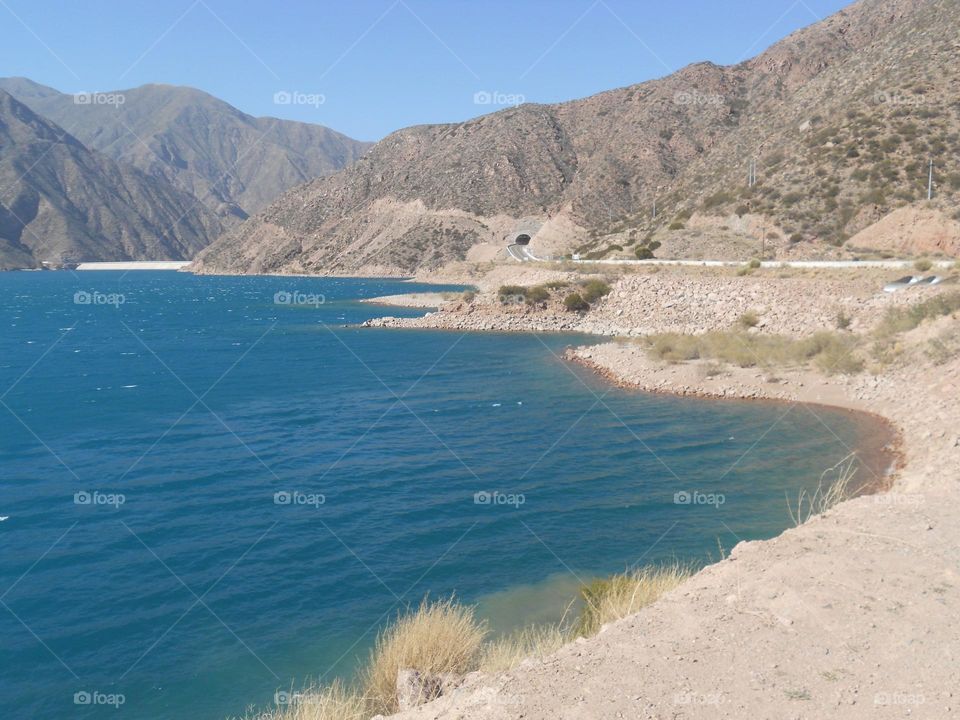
{"x": 236, "y": 164}
{"x": 837, "y": 117}
{"x": 61, "y": 202}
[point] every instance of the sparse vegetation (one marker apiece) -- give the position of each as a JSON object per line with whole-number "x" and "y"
{"x": 593, "y": 290}
{"x": 835, "y": 486}
{"x": 574, "y": 302}
{"x": 334, "y": 702}
{"x": 509, "y": 651}
{"x": 754, "y": 264}
{"x": 676, "y": 225}
{"x": 749, "y": 319}
{"x": 830, "y": 352}
{"x": 922, "y": 265}
{"x": 616, "y": 597}
{"x": 439, "y": 637}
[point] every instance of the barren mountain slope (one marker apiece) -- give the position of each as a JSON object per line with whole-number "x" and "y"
{"x": 60, "y": 202}
{"x": 235, "y": 163}
{"x": 590, "y": 169}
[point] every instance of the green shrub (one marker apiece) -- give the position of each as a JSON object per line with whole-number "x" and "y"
{"x": 754, "y": 264}
{"x": 575, "y": 303}
{"x": 922, "y": 265}
{"x": 537, "y": 294}
{"x": 511, "y": 291}
{"x": 843, "y": 321}
{"x": 676, "y": 225}
{"x": 643, "y": 252}
{"x": 898, "y": 320}
{"x": 593, "y": 290}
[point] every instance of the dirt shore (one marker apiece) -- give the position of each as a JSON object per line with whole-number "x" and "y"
{"x": 852, "y": 614}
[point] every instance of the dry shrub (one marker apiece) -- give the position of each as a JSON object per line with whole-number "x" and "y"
{"x": 835, "y": 486}
{"x": 621, "y": 595}
{"x": 509, "y": 651}
{"x": 438, "y": 638}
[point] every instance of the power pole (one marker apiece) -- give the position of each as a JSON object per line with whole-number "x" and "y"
{"x": 654, "y": 208}
{"x": 930, "y": 182}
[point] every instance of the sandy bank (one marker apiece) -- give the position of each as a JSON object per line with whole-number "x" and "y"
{"x": 850, "y": 615}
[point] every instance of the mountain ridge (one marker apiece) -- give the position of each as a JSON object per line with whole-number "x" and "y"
{"x": 62, "y": 203}
{"x": 588, "y": 171}
{"x": 234, "y": 161}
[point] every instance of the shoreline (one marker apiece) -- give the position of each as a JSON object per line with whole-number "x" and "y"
{"x": 812, "y": 602}
{"x": 888, "y": 444}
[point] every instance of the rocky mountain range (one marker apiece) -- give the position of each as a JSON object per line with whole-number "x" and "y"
{"x": 162, "y": 151}
{"x": 61, "y": 202}
{"x": 839, "y": 119}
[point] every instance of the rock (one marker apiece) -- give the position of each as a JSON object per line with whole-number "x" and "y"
{"x": 415, "y": 688}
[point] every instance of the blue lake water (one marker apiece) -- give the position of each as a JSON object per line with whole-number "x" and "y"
{"x": 211, "y": 495}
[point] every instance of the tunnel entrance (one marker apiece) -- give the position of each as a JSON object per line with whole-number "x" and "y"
{"x": 522, "y": 239}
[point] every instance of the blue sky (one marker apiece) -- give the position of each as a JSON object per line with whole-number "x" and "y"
{"x": 367, "y": 67}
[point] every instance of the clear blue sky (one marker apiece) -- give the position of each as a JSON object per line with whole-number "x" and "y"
{"x": 380, "y": 65}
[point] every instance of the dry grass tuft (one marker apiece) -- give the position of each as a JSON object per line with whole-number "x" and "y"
{"x": 832, "y": 352}
{"x": 835, "y": 486}
{"x": 334, "y": 702}
{"x": 509, "y": 651}
{"x": 621, "y": 595}
{"x": 438, "y": 638}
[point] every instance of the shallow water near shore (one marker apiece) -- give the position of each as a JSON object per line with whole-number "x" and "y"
{"x": 216, "y": 490}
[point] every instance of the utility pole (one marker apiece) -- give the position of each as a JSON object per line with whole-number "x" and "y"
{"x": 654, "y": 208}
{"x": 752, "y": 174}
{"x": 763, "y": 237}
{"x": 930, "y": 182}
